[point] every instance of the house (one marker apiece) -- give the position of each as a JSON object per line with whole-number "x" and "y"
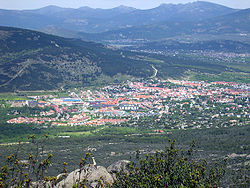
{"x": 132, "y": 107}
{"x": 18, "y": 103}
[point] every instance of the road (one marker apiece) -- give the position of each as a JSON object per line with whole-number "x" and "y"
{"x": 155, "y": 72}
{"x": 16, "y": 75}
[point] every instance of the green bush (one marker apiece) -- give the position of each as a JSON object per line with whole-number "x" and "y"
{"x": 170, "y": 168}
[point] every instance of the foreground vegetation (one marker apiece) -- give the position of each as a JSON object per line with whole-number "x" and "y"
{"x": 109, "y": 144}
{"x": 170, "y": 167}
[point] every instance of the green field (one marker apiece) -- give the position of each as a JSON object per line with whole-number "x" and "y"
{"x": 240, "y": 77}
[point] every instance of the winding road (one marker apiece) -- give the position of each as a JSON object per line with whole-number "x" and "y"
{"x": 155, "y": 72}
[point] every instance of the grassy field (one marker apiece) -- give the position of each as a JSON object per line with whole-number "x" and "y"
{"x": 75, "y": 134}
{"x": 11, "y": 96}
{"x": 240, "y": 77}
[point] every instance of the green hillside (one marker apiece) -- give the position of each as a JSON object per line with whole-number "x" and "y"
{"x": 32, "y": 60}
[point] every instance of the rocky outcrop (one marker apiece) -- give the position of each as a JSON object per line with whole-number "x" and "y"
{"x": 90, "y": 174}
{"x": 118, "y": 166}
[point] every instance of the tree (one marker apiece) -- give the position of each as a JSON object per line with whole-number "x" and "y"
{"x": 170, "y": 168}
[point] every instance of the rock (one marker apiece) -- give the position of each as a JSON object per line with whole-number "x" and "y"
{"x": 100, "y": 172}
{"x": 39, "y": 184}
{"x": 90, "y": 173}
{"x": 234, "y": 155}
{"x": 61, "y": 177}
{"x": 118, "y": 166}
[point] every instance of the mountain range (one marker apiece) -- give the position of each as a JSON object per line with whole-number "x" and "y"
{"x": 33, "y": 60}
{"x": 236, "y": 24}
{"x": 168, "y": 18}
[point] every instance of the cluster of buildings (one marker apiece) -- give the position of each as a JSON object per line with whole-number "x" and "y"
{"x": 133, "y": 101}
{"x": 29, "y": 120}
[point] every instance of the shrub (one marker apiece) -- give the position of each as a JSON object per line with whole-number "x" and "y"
{"x": 170, "y": 168}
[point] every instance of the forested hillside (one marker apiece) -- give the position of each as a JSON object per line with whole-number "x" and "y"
{"x": 33, "y": 60}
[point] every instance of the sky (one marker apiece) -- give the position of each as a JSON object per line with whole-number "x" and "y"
{"x": 141, "y": 4}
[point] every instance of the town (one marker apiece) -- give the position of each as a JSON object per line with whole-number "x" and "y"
{"x": 158, "y": 104}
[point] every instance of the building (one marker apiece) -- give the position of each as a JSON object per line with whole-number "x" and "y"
{"x": 132, "y": 107}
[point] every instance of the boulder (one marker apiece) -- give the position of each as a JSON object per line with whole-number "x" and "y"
{"x": 90, "y": 173}
{"x": 118, "y": 166}
{"x": 100, "y": 172}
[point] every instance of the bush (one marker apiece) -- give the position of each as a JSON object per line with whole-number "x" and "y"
{"x": 170, "y": 168}
{"x": 21, "y": 173}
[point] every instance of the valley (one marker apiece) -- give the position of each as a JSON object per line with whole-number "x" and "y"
{"x": 141, "y": 115}
{"x": 81, "y": 88}
{"x": 48, "y": 62}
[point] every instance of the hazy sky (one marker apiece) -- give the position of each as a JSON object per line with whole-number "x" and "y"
{"x": 142, "y": 4}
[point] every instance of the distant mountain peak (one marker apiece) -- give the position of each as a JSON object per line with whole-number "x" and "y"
{"x": 204, "y": 3}
{"x": 97, "y": 20}
{"x": 195, "y": 3}
{"x": 123, "y": 8}
{"x": 84, "y": 8}
{"x": 51, "y": 6}
{"x": 166, "y": 4}
{"x": 51, "y": 9}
